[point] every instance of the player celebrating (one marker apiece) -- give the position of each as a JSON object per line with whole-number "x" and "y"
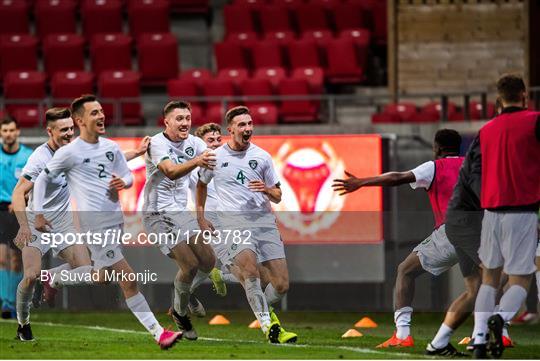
{"x": 96, "y": 170}
{"x": 510, "y": 195}
{"x": 435, "y": 254}
{"x": 246, "y": 182}
{"x": 172, "y": 155}
{"x": 13, "y": 157}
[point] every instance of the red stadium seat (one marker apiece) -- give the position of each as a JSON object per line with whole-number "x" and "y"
{"x": 101, "y": 16}
{"x": 148, "y": 16}
{"x": 296, "y": 110}
{"x": 28, "y": 117}
{"x": 327, "y": 4}
{"x": 311, "y": 17}
{"x": 380, "y": 27}
{"x": 433, "y": 111}
{"x": 14, "y": 17}
{"x": 289, "y": 4}
{"x": 266, "y": 54}
{"x": 217, "y": 88}
{"x": 244, "y": 39}
{"x": 118, "y": 85}
{"x": 349, "y": 15}
{"x": 230, "y": 56}
{"x": 274, "y": 18}
{"x": 273, "y": 74}
{"x": 475, "y": 110}
{"x": 257, "y": 87}
{"x": 252, "y": 4}
{"x": 110, "y": 52}
{"x": 361, "y": 39}
{"x": 405, "y": 111}
{"x": 17, "y": 52}
{"x": 264, "y": 114}
{"x": 236, "y": 76}
{"x": 343, "y": 67}
{"x": 63, "y": 52}
{"x": 237, "y": 19}
{"x": 55, "y": 17}
{"x": 158, "y": 58}
{"x": 197, "y": 75}
{"x": 303, "y": 53}
{"x": 67, "y": 85}
{"x": 19, "y": 85}
{"x": 314, "y": 77}
{"x": 321, "y": 37}
{"x": 182, "y": 88}
{"x": 281, "y": 37}
{"x": 190, "y": 6}
{"x": 381, "y": 118}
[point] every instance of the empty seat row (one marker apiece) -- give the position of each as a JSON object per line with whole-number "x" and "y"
{"x": 431, "y": 112}
{"x": 262, "y": 89}
{"x": 343, "y": 59}
{"x": 158, "y": 58}
{"x": 340, "y": 16}
{"x": 98, "y": 16}
{"x": 24, "y": 90}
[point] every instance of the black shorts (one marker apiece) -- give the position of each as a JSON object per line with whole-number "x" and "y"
{"x": 463, "y": 229}
{"x": 8, "y": 226}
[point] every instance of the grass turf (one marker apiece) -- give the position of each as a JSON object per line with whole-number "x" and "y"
{"x": 118, "y": 335}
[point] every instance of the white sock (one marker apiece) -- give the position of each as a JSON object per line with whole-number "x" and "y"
{"x": 138, "y": 305}
{"x": 505, "y": 330}
{"x": 511, "y": 301}
{"x": 402, "y": 319}
{"x": 24, "y": 299}
{"x": 483, "y": 309}
{"x": 272, "y": 296}
{"x": 442, "y": 337}
{"x": 257, "y": 301}
{"x": 199, "y": 278}
{"x": 181, "y": 297}
{"x": 538, "y": 284}
{"x": 77, "y": 276}
{"x": 58, "y": 269}
{"x": 230, "y": 278}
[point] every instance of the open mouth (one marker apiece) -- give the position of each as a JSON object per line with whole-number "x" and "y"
{"x": 101, "y": 123}
{"x": 246, "y": 136}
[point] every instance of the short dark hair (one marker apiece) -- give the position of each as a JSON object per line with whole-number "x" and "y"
{"x": 175, "y": 104}
{"x": 234, "y": 112}
{"x": 511, "y": 87}
{"x": 55, "y": 114}
{"x": 207, "y": 128}
{"x": 77, "y": 106}
{"x": 8, "y": 120}
{"x": 448, "y": 140}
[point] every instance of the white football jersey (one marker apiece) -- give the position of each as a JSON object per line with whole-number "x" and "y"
{"x": 56, "y": 201}
{"x": 212, "y": 201}
{"x": 161, "y": 193}
{"x": 89, "y": 168}
{"x": 234, "y": 170}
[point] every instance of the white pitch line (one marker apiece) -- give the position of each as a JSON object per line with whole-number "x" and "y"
{"x": 121, "y": 330}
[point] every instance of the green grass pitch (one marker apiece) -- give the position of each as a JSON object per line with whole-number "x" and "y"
{"x": 68, "y": 335}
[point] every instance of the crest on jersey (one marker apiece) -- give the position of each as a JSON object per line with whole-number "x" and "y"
{"x": 110, "y": 156}
{"x": 110, "y": 254}
{"x": 34, "y": 238}
{"x": 190, "y": 151}
{"x": 253, "y": 164}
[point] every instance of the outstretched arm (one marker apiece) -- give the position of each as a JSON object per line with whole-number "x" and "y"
{"x": 140, "y": 150}
{"x": 352, "y": 183}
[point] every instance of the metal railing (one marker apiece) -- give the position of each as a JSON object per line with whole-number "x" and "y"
{"x": 327, "y": 110}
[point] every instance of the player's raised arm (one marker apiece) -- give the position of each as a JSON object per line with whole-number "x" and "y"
{"x": 18, "y": 201}
{"x": 174, "y": 171}
{"x": 352, "y": 183}
{"x": 140, "y": 150}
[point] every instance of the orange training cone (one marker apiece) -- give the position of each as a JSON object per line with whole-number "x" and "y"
{"x": 219, "y": 320}
{"x": 366, "y": 322}
{"x": 465, "y": 341}
{"x": 351, "y": 333}
{"x": 255, "y": 324}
